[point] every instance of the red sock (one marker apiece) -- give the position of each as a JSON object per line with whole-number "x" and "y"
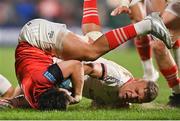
{"x": 119, "y": 36}
{"x": 90, "y": 13}
{"x": 171, "y": 75}
{"x": 176, "y": 44}
{"x": 143, "y": 47}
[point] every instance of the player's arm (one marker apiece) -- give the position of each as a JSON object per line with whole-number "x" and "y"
{"x": 57, "y": 73}
{"x": 94, "y": 69}
{"x": 124, "y": 7}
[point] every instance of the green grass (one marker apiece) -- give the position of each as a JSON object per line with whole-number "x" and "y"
{"x": 128, "y": 59}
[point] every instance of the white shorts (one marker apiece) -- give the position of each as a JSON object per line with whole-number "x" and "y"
{"x": 43, "y": 34}
{"x": 174, "y": 7}
{"x": 4, "y": 85}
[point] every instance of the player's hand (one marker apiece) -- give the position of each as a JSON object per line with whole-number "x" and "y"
{"x": 119, "y": 10}
{"x": 76, "y": 99}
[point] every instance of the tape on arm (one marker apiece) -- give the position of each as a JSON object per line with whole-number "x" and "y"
{"x": 124, "y": 3}
{"x": 133, "y": 2}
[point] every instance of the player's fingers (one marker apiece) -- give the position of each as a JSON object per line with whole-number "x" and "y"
{"x": 119, "y": 12}
{"x": 114, "y": 12}
{"x": 126, "y": 10}
{"x": 74, "y": 101}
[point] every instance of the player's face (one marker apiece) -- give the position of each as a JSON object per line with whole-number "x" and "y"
{"x": 133, "y": 92}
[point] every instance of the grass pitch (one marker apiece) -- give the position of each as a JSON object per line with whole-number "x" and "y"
{"x": 83, "y": 111}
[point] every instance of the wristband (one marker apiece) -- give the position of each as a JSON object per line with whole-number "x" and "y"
{"x": 124, "y": 3}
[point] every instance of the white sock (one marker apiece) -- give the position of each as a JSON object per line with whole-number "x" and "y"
{"x": 150, "y": 72}
{"x": 148, "y": 67}
{"x": 176, "y": 89}
{"x": 143, "y": 27}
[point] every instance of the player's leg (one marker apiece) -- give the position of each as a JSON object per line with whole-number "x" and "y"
{"x": 142, "y": 44}
{"x": 171, "y": 18}
{"x": 168, "y": 68}
{"x": 150, "y": 72}
{"x": 155, "y": 6}
{"x": 18, "y": 101}
{"x": 75, "y": 48}
{"x": 90, "y": 19}
{"x": 6, "y": 89}
{"x": 176, "y": 50}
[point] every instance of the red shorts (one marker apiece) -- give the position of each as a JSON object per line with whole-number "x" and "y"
{"x": 31, "y": 63}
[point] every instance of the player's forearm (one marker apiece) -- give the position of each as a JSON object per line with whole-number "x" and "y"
{"x": 93, "y": 69}
{"x": 78, "y": 88}
{"x": 77, "y": 77}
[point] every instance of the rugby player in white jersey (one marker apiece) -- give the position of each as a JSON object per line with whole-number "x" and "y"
{"x": 170, "y": 12}
{"x": 118, "y": 87}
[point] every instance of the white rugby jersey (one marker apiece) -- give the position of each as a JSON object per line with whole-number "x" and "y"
{"x": 41, "y": 33}
{"x": 106, "y": 91}
{"x": 103, "y": 91}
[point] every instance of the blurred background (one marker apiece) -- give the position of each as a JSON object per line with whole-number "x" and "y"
{"x": 15, "y": 13}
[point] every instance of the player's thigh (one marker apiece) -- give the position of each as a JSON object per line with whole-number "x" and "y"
{"x": 158, "y": 5}
{"x": 73, "y": 46}
{"x": 173, "y": 24}
{"x": 137, "y": 12}
{"x": 171, "y": 20}
{"x": 171, "y": 15}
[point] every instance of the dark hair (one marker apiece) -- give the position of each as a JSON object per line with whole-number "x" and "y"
{"x": 151, "y": 92}
{"x": 53, "y": 99}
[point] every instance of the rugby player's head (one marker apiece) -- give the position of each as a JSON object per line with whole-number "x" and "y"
{"x": 138, "y": 91}
{"x": 54, "y": 99}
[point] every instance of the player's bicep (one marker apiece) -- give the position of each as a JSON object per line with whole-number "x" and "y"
{"x": 60, "y": 71}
